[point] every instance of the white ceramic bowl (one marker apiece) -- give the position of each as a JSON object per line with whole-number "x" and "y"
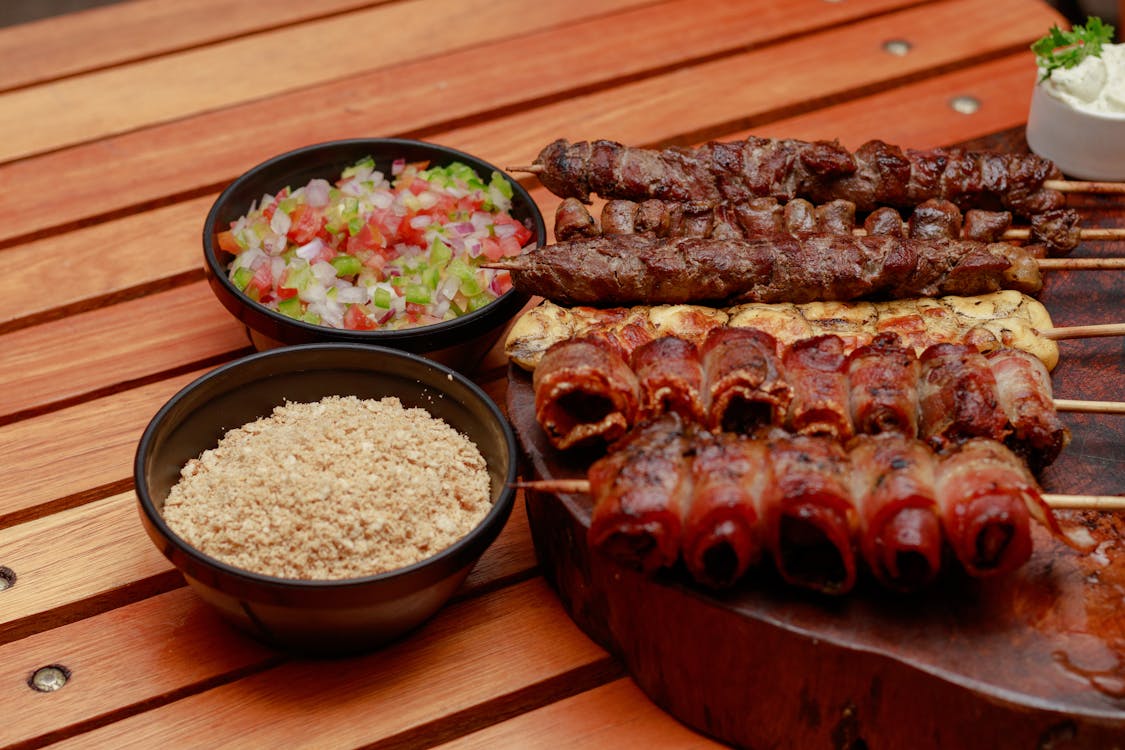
{"x": 1084, "y": 145}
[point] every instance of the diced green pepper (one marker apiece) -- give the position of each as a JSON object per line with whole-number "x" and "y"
{"x": 242, "y": 277}
{"x": 346, "y": 265}
{"x": 290, "y": 307}
{"x": 480, "y": 300}
{"x": 418, "y": 294}
{"x": 382, "y": 298}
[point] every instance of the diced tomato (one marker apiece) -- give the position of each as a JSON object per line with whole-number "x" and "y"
{"x": 306, "y": 223}
{"x": 410, "y": 234}
{"x": 492, "y": 249}
{"x": 260, "y": 283}
{"x": 502, "y": 282}
{"x": 510, "y": 246}
{"x": 522, "y": 233}
{"x": 283, "y": 291}
{"x": 368, "y": 238}
{"x": 356, "y": 319}
{"x": 418, "y": 185}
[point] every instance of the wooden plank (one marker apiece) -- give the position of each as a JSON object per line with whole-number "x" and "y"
{"x": 77, "y": 454}
{"x": 400, "y": 101}
{"x": 458, "y": 670}
{"x": 89, "y": 266}
{"x": 121, "y": 344}
{"x": 616, "y": 714}
{"x": 107, "y": 676}
{"x": 172, "y": 86}
{"x": 95, "y": 557}
{"x": 96, "y": 38}
{"x": 694, "y": 104}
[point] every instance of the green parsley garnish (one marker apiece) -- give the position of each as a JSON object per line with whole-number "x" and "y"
{"x": 1065, "y": 49}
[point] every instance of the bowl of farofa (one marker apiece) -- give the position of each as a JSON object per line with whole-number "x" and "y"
{"x": 371, "y": 240}
{"x": 326, "y": 498}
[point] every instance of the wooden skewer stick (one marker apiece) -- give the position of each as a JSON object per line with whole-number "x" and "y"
{"x": 1085, "y": 502}
{"x": 1083, "y": 332}
{"x": 1059, "y": 502}
{"x": 1090, "y": 407}
{"x": 1087, "y": 233}
{"x": 530, "y": 169}
{"x": 1081, "y": 264}
{"x": 1084, "y": 186}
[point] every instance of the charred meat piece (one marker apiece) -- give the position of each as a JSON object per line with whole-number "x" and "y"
{"x": 1023, "y": 387}
{"x": 573, "y": 220}
{"x": 935, "y": 220}
{"x": 671, "y": 378}
{"x": 1057, "y": 230}
{"x": 743, "y": 383}
{"x": 883, "y": 387}
{"x": 815, "y": 370}
{"x": 884, "y": 221}
{"x": 985, "y": 226}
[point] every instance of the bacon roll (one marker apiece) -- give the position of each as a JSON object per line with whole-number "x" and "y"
{"x": 957, "y": 397}
{"x": 584, "y": 391}
{"x": 743, "y": 385}
{"x": 640, "y": 492}
{"x": 883, "y": 387}
{"x": 983, "y": 491}
{"x": 815, "y": 371}
{"x": 900, "y": 533}
{"x": 811, "y": 526}
{"x": 732, "y": 486}
{"x": 1023, "y": 388}
{"x": 670, "y": 374}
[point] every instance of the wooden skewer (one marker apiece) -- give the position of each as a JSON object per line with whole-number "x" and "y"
{"x": 1084, "y": 186}
{"x": 1083, "y": 332}
{"x": 1063, "y": 186}
{"x": 1059, "y": 502}
{"x": 1088, "y": 233}
{"x": 1081, "y": 264}
{"x": 1090, "y": 407}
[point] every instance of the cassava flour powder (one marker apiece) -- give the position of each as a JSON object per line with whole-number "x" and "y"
{"x": 340, "y": 488}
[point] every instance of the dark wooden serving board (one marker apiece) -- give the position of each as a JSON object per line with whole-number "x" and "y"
{"x": 1032, "y": 660}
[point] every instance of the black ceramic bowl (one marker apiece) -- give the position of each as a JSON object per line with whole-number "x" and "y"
{"x": 458, "y": 343}
{"x": 321, "y": 616}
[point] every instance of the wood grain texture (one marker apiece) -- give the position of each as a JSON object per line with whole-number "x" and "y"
{"x": 468, "y": 651}
{"x": 135, "y": 168}
{"x": 129, "y": 31}
{"x": 615, "y": 715}
{"x": 179, "y": 84}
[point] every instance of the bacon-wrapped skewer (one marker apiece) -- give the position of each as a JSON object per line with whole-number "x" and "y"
{"x": 670, "y": 491}
{"x": 1057, "y": 230}
{"x": 876, "y": 174}
{"x": 747, "y": 383}
{"x": 639, "y": 269}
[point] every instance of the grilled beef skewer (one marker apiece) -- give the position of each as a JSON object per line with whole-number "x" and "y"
{"x": 876, "y": 174}
{"x": 1056, "y": 230}
{"x": 635, "y": 269}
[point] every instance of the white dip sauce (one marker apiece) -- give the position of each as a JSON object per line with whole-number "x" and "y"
{"x": 1097, "y": 84}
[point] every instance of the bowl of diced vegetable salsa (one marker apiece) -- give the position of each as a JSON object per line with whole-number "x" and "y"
{"x": 375, "y": 240}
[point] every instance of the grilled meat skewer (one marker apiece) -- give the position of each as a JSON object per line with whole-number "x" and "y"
{"x": 636, "y": 269}
{"x": 1056, "y": 230}
{"x": 876, "y": 174}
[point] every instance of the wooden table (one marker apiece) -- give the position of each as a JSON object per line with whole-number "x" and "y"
{"x": 119, "y": 127}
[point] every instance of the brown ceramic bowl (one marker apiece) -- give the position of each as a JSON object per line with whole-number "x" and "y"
{"x": 334, "y": 616}
{"x": 458, "y": 343}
